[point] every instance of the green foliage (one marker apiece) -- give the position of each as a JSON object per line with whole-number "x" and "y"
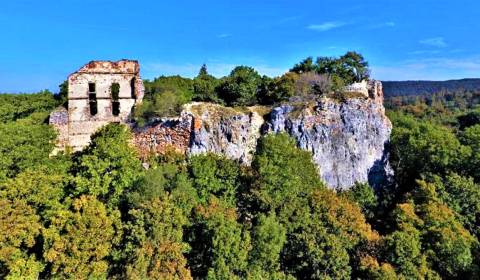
{"x": 19, "y": 228}
{"x": 304, "y": 66}
{"x": 176, "y": 84}
{"x": 204, "y": 86}
{"x": 321, "y": 247}
{"x": 18, "y": 106}
{"x": 429, "y": 237}
{"x": 462, "y": 195}
{"x": 403, "y": 250}
{"x": 164, "y": 97}
{"x": 108, "y": 166}
{"x": 347, "y": 69}
{"x": 41, "y": 188}
{"x": 23, "y": 146}
{"x": 278, "y": 89}
{"x": 220, "y": 244}
{"x": 419, "y": 147}
{"x": 469, "y": 119}
{"x": 268, "y": 239}
{"x": 155, "y": 237}
{"x": 287, "y": 176}
{"x": 78, "y": 241}
{"x": 215, "y": 175}
{"x": 166, "y": 177}
{"x": 240, "y": 88}
{"x": 471, "y": 138}
{"x": 364, "y": 195}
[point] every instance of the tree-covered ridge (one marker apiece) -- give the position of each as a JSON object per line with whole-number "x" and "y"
{"x": 244, "y": 86}
{"x": 427, "y": 88}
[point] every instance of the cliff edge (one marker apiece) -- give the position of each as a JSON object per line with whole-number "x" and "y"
{"x": 347, "y": 137}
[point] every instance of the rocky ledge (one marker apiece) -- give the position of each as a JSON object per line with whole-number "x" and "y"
{"x": 347, "y": 137}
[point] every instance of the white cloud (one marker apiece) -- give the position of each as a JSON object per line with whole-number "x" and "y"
{"x": 438, "y": 42}
{"x": 224, "y": 35}
{"x": 326, "y": 26}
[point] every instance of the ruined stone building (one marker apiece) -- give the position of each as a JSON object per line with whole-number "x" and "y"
{"x": 99, "y": 93}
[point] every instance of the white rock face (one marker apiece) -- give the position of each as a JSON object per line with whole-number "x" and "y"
{"x": 224, "y": 131}
{"x": 347, "y": 140}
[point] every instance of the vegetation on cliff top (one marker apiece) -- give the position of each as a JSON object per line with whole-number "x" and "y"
{"x": 164, "y": 96}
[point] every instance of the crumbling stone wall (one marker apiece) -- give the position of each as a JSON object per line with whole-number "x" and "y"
{"x": 165, "y": 135}
{"x": 92, "y": 92}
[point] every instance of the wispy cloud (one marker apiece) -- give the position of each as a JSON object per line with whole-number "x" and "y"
{"x": 424, "y": 52}
{"x": 385, "y": 24}
{"x": 326, "y": 26}
{"x": 438, "y": 42}
{"x": 441, "y": 68}
{"x": 224, "y": 35}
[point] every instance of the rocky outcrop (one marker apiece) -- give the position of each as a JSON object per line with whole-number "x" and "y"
{"x": 347, "y": 138}
{"x": 226, "y": 131}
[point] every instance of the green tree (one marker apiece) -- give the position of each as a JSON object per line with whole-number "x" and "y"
{"x": 304, "y": 66}
{"x": 403, "y": 249}
{"x": 320, "y": 248}
{"x": 19, "y": 106}
{"x": 240, "y": 88}
{"x": 20, "y": 227}
{"x": 220, "y": 244}
{"x": 286, "y": 176}
{"x": 355, "y": 67}
{"x": 24, "y": 146}
{"x": 41, "y": 188}
{"x": 108, "y": 166}
{"x": 78, "y": 241}
{"x": 268, "y": 239}
{"x": 364, "y": 195}
{"x": 471, "y": 138}
{"x": 215, "y": 175}
{"x": 155, "y": 239}
{"x": 279, "y": 89}
{"x": 166, "y": 177}
{"x": 462, "y": 195}
{"x": 204, "y": 86}
{"x": 420, "y": 147}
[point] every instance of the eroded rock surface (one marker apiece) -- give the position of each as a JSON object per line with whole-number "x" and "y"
{"x": 347, "y": 138}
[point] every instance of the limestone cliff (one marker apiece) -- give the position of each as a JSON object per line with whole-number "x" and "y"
{"x": 347, "y": 138}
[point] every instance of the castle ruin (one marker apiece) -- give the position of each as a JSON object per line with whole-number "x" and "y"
{"x": 99, "y": 93}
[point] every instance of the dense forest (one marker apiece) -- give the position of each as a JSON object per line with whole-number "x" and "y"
{"x": 425, "y": 88}
{"x": 99, "y": 214}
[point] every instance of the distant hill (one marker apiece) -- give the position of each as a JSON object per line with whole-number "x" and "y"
{"x": 403, "y": 88}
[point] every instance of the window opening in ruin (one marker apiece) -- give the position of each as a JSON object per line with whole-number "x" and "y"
{"x": 132, "y": 88}
{"x": 91, "y": 87}
{"x": 115, "y": 89}
{"x": 92, "y": 99}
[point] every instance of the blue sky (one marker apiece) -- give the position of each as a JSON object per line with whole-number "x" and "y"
{"x": 41, "y": 42}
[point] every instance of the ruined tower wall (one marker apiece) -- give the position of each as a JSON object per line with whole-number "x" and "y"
{"x": 92, "y": 87}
